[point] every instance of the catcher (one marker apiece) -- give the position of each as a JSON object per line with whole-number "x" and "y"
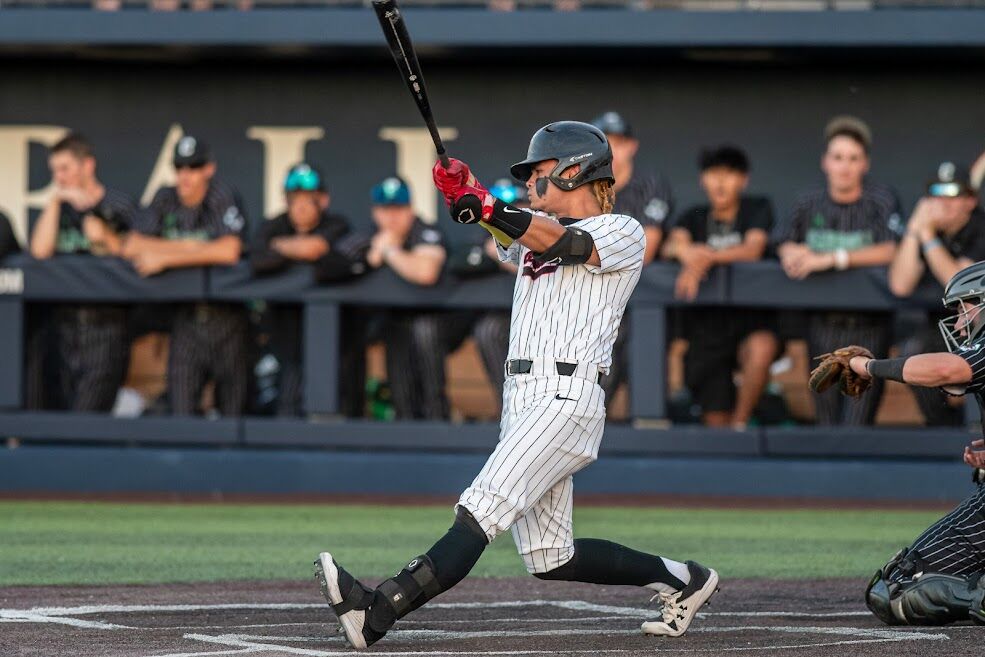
{"x": 940, "y": 578}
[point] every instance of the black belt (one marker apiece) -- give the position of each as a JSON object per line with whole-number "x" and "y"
{"x": 521, "y": 366}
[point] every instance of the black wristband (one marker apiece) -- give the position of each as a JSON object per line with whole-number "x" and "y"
{"x": 888, "y": 368}
{"x": 510, "y": 220}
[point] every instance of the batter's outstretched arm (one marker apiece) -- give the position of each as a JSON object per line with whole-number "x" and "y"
{"x": 928, "y": 370}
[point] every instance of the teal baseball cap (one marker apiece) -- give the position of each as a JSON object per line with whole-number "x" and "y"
{"x": 391, "y": 191}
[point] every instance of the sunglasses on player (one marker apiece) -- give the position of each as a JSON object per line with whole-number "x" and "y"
{"x": 303, "y": 179}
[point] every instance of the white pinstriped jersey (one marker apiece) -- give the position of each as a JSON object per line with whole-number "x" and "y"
{"x": 572, "y": 313}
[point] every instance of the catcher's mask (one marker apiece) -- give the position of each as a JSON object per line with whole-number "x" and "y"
{"x": 965, "y": 293}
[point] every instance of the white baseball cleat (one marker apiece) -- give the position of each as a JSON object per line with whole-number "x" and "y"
{"x": 349, "y": 600}
{"x": 680, "y": 607}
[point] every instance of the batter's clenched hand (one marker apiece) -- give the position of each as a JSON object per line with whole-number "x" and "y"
{"x": 450, "y": 180}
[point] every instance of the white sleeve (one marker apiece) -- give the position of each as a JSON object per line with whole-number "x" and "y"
{"x": 510, "y": 253}
{"x": 619, "y": 240}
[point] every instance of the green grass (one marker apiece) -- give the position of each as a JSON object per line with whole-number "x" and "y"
{"x": 101, "y": 543}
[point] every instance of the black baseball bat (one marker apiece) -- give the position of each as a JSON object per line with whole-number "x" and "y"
{"x": 402, "y": 49}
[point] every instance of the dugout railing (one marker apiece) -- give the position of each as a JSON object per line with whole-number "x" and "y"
{"x": 86, "y": 279}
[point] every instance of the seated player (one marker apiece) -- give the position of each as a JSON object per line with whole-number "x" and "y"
{"x": 938, "y": 578}
{"x": 945, "y": 234}
{"x": 90, "y": 346}
{"x": 561, "y": 336}
{"x": 849, "y": 222}
{"x": 415, "y": 350}
{"x": 197, "y": 223}
{"x": 731, "y": 227}
{"x": 306, "y": 233}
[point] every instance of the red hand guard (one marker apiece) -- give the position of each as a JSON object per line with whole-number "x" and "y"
{"x": 448, "y": 181}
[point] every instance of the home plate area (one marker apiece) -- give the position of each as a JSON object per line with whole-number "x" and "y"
{"x": 480, "y": 617}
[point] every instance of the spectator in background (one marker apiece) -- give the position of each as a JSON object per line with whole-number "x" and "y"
{"x": 644, "y": 195}
{"x": 107, "y": 5}
{"x": 164, "y": 5}
{"x": 415, "y": 352}
{"x": 197, "y": 223}
{"x": 8, "y": 241}
{"x": 87, "y": 342}
{"x": 306, "y": 233}
{"x": 731, "y": 227}
{"x": 945, "y": 234}
{"x": 847, "y": 223}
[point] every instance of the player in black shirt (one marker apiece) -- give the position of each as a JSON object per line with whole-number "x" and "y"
{"x": 732, "y": 227}
{"x": 945, "y": 234}
{"x": 938, "y": 579}
{"x": 306, "y": 233}
{"x": 88, "y": 343}
{"x": 644, "y": 195}
{"x": 197, "y": 223}
{"x": 847, "y": 223}
{"x": 415, "y": 339}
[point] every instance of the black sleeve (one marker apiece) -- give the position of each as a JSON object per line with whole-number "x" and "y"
{"x": 263, "y": 259}
{"x": 689, "y": 221}
{"x": 760, "y": 215}
{"x": 975, "y": 250}
{"x": 8, "y": 242}
{"x": 794, "y": 227}
{"x": 345, "y": 260}
{"x": 149, "y": 220}
{"x": 118, "y": 211}
{"x": 333, "y": 228}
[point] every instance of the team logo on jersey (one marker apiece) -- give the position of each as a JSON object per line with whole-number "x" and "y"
{"x": 534, "y": 268}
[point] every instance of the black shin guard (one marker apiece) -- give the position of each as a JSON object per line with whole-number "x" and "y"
{"x": 427, "y": 576}
{"x": 604, "y": 562}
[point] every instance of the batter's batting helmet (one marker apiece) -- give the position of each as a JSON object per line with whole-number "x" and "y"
{"x": 570, "y": 143}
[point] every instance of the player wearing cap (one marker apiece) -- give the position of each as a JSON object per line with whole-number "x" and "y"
{"x": 849, "y": 222}
{"x": 731, "y": 227}
{"x": 578, "y": 265}
{"x": 305, "y": 233}
{"x": 88, "y": 341}
{"x": 643, "y": 195}
{"x": 938, "y": 579}
{"x": 945, "y": 234}
{"x": 197, "y": 223}
{"x": 415, "y": 350}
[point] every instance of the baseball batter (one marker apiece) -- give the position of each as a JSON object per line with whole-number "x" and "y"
{"x": 578, "y": 265}
{"x": 939, "y": 578}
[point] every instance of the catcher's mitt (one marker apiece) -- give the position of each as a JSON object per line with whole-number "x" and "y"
{"x": 834, "y": 367}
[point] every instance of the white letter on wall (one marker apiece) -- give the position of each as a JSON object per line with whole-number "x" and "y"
{"x": 415, "y": 158}
{"x": 16, "y": 200}
{"x": 282, "y": 147}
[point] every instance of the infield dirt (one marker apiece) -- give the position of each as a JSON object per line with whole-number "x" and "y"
{"x": 520, "y": 616}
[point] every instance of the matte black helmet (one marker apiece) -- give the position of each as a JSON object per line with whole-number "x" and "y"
{"x": 967, "y": 326}
{"x": 570, "y": 143}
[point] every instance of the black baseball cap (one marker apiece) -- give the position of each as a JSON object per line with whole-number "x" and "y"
{"x": 949, "y": 181}
{"x": 613, "y": 123}
{"x": 191, "y": 152}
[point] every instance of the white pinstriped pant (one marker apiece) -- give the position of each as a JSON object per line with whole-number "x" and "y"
{"x": 551, "y": 428}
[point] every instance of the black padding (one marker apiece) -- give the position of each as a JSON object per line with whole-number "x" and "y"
{"x": 877, "y": 600}
{"x": 574, "y": 247}
{"x": 402, "y": 590}
{"x": 359, "y": 597}
{"x": 465, "y": 517}
{"x": 935, "y": 599}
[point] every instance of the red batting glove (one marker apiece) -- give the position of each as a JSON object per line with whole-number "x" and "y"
{"x": 450, "y": 180}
